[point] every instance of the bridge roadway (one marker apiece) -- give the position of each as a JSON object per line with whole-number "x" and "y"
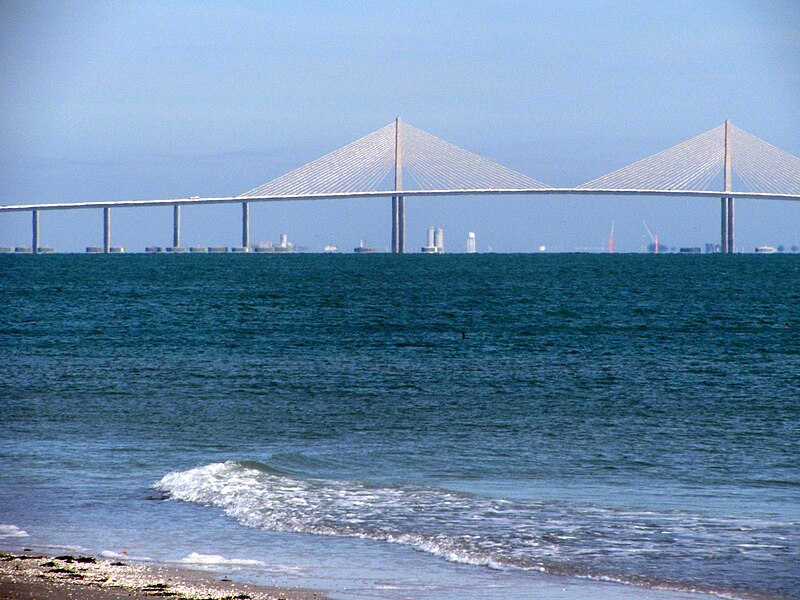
{"x": 390, "y": 193}
{"x": 176, "y": 203}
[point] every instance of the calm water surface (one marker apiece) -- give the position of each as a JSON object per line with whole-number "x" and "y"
{"x": 411, "y": 427}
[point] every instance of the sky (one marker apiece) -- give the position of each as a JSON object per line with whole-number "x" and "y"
{"x": 166, "y": 99}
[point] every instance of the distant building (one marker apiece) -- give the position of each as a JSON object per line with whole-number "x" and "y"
{"x": 363, "y": 248}
{"x": 429, "y": 248}
{"x": 439, "y": 240}
{"x": 435, "y": 241}
{"x": 656, "y": 248}
{"x": 471, "y": 247}
{"x": 284, "y": 246}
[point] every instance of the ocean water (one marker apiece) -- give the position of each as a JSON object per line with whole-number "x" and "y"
{"x": 481, "y": 426}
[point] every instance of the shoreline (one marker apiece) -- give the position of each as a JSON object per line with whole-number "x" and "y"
{"x": 32, "y": 575}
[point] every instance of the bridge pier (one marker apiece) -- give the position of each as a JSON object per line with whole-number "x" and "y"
{"x": 727, "y": 242}
{"x": 731, "y": 236}
{"x": 106, "y": 230}
{"x": 246, "y": 225}
{"x": 176, "y": 226}
{"x": 395, "y": 221}
{"x": 401, "y": 230}
{"x": 398, "y": 224}
{"x": 35, "y": 233}
{"x": 723, "y": 220}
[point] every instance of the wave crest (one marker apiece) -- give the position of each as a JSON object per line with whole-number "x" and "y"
{"x": 12, "y": 531}
{"x": 644, "y": 548}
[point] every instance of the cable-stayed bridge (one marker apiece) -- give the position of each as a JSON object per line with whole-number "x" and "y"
{"x": 400, "y": 161}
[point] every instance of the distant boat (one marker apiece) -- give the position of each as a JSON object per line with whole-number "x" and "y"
{"x": 330, "y": 248}
{"x": 766, "y": 250}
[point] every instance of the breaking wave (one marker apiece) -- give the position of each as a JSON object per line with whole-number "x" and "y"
{"x": 12, "y": 531}
{"x": 213, "y": 559}
{"x": 654, "y": 549}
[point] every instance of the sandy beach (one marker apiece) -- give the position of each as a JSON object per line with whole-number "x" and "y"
{"x": 29, "y": 576}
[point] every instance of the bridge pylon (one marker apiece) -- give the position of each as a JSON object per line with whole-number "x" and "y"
{"x": 365, "y": 165}
{"x": 726, "y": 244}
{"x": 398, "y": 201}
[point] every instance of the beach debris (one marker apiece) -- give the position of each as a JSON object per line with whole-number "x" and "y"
{"x": 135, "y": 580}
{"x": 158, "y": 589}
{"x": 86, "y": 559}
{"x": 66, "y": 558}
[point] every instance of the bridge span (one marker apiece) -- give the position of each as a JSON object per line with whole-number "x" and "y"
{"x": 360, "y": 170}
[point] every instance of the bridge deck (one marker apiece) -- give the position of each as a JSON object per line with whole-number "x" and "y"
{"x": 408, "y": 193}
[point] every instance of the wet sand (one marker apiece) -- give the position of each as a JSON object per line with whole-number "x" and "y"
{"x": 29, "y": 576}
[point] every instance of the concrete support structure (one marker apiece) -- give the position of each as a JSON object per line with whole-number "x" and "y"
{"x": 727, "y": 210}
{"x": 731, "y": 235}
{"x": 395, "y": 219}
{"x": 246, "y": 225}
{"x": 723, "y": 220}
{"x": 398, "y": 202}
{"x": 35, "y": 238}
{"x": 176, "y": 226}
{"x": 401, "y": 217}
{"x": 106, "y": 230}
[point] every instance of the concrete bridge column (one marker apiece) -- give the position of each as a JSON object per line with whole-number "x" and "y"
{"x": 731, "y": 237}
{"x": 401, "y": 221}
{"x": 246, "y": 225}
{"x": 398, "y": 224}
{"x": 106, "y": 230}
{"x": 395, "y": 226}
{"x": 723, "y": 242}
{"x": 35, "y": 237}
{"x": 176, "y": 226}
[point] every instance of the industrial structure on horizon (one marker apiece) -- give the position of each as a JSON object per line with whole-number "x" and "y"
{"x": 362, "y": 248}
{"x": 471, "y": 248}
{"x": 435, "y": 241}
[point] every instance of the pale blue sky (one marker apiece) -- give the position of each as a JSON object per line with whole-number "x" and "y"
{"x": 129, "y": 100}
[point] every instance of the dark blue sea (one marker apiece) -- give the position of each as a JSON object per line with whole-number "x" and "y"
{"x": 427, "y": 427}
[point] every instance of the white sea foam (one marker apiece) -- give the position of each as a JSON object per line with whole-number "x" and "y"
{"x": 124, "y": 556}
{"x": 70, "y": 549}
{"x": 196, "y": 558}
{"x": 12, "y": 531}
